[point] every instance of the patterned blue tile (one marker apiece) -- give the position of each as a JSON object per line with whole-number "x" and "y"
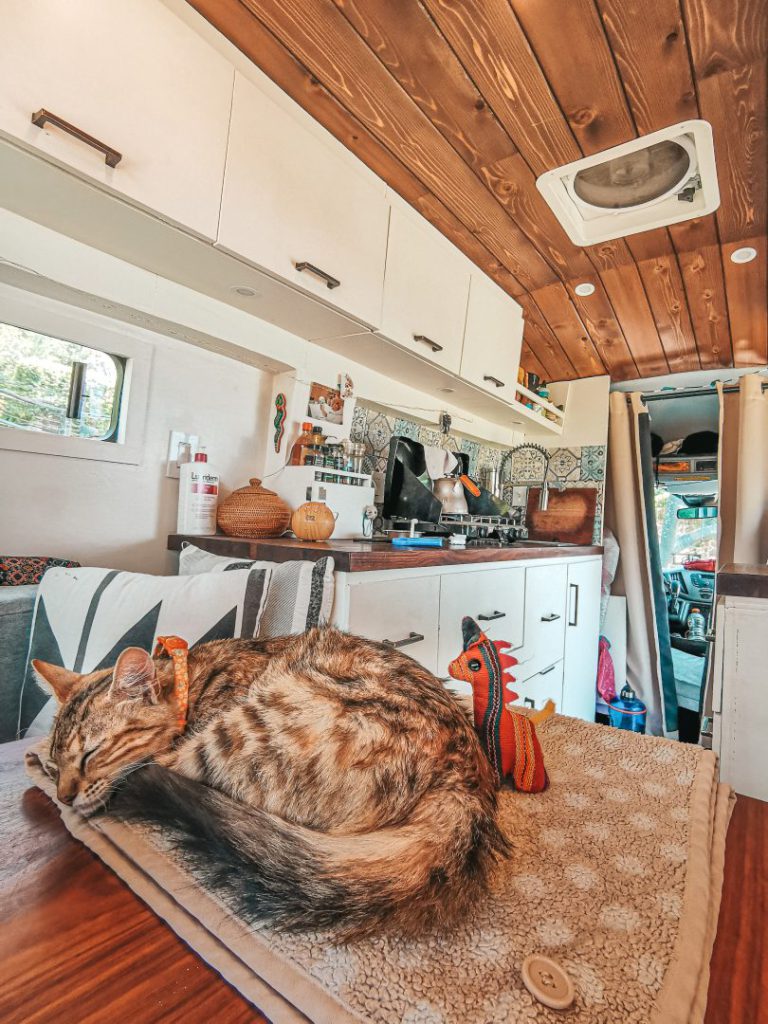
{"x": 593, "y": 458}
{"x": 564, "y": 464}
{"x": 407, "y": 428}
{"x": 472, "y": 449}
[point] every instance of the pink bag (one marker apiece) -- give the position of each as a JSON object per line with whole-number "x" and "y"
{"x": 606, "y": 679}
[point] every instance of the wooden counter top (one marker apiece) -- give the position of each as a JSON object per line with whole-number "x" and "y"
{"x": 740, "y": 580}
{"x": 367, "y": 556}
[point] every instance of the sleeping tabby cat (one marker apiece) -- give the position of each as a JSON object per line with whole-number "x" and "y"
{"x": 323, "y": 781}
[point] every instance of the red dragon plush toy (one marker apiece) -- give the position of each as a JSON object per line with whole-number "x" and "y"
{"x": 509, "y": 738}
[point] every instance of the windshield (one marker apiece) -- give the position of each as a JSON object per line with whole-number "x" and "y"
{"x": 682, "y": 540}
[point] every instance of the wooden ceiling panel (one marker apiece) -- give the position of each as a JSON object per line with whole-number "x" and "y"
{"x": 589, "y": 92}
{"x": 664, "y": 288}
{"x": 749, "y": 319}
{"x": 704, "y": 285}
{"x": 489, "y": 41}
{"x": 561, "y": 315}
{"x": 460, "y": 104}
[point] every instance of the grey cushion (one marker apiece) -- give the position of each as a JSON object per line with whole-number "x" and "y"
{"x": 16, "y": 607}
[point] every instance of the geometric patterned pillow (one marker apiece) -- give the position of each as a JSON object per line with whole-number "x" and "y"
{"x": 300, "y": 594}
{"x": 85, "y": 617}
{"x": 18, "y": 571}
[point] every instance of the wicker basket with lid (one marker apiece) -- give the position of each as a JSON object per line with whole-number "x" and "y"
{"x": 253, "y": 511}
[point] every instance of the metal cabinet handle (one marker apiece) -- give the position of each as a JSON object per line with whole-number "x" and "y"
{"x": 574, "y": 587}
{"x": 331, "y": 282}
{"x": 529, "y": 702}
{"x": 42, "y": 117}
{"x": 550, "y": 618}
{"x": 494, "y": 380}
{"x": 492, "y": 616}
{"x": 428, "y": 341}
{"x": 412, "y": 638}
{"x": 546, "y": 671}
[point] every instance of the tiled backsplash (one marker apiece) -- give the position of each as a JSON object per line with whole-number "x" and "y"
{"x": 571, "y": 467}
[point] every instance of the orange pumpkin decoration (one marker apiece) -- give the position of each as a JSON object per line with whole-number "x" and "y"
{"x": 313, "y": 521}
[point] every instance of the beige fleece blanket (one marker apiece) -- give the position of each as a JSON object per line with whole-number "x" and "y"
{"x": 617, "y": 874}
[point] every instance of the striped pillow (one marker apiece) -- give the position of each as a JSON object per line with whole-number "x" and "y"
{"x": 84, "y": 617}
{"x": 300, "y": 594}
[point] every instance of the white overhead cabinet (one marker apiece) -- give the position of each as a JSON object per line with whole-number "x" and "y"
{"x": 293, "y": 207}
{"x": 492, "y": 339}
{"x": 425, "y": 291}
{"x": 131, "y": 76}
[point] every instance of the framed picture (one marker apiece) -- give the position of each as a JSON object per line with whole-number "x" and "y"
{"x": 325, "y": 404}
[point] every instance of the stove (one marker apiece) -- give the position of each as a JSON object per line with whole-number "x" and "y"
{"x": 480, "y": 530}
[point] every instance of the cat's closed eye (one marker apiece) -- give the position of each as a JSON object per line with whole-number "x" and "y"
{"x": 86, "y": 755}
{"x": 52, "y": 769}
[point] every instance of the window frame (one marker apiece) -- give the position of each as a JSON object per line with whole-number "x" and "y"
{"x": 56, "y": 319}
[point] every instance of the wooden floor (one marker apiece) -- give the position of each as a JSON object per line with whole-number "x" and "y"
{"x": 76, "y": 947}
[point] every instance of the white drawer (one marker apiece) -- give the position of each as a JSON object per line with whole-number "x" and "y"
{"x": 536, "y": 690}
{"x": 494, "y": 598}
{"x": 544, "y": 639}
{"x": 403, "y": 612}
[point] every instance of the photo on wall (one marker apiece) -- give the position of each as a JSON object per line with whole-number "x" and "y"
{"x": 325, "y": 404}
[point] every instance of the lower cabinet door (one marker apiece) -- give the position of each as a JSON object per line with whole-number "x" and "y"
{"x": 535, "y": 691}
{"x": 582, "y": 634}
{"x": 544, "y": 641}
{"x": 401, "y": 612}
{"x": 494, "y": 598}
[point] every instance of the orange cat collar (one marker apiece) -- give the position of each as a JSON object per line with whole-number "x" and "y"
{"x": 177, "y": 649}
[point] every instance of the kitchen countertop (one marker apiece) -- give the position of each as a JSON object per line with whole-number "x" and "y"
{"x": 367, "y": 556}
{"x": 741, "y": 580}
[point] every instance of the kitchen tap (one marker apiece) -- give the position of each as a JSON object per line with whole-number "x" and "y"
{"x": 507, "y": 457}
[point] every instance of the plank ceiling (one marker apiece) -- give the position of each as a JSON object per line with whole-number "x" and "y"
{"x": 460, "y": 104}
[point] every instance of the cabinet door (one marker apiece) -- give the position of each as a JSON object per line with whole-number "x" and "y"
{"x": 492, "y": 339}
{"x": 495, "y": 599}
{"x": 536, "y": 690}
{"x": 582, "y": 628}
{"x": 296, "y": 208}
{"x": 135, "y": 77}
{"x": 425, "y": 291}
{"x": 401, "y": 612}
{"x": 544, "y": 637}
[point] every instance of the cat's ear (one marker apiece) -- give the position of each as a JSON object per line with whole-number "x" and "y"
{"x": 470, "y": 632}
{"x": 54, "y": 679}
{"x": 134, "y": 677}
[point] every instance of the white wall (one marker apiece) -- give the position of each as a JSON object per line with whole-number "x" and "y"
{"x": 107, "y": 514}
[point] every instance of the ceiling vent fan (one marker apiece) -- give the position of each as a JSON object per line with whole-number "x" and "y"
{"x": 662, "y": 178}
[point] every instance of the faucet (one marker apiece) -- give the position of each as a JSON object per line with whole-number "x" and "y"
{"x": 507, "y": 457}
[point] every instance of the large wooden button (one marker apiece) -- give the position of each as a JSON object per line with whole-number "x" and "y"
{"x": 548, "y": 982}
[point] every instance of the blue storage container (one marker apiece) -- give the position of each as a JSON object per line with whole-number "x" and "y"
{"x": 627, "y": 711}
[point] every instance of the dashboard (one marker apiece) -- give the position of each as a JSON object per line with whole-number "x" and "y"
{"x": 695, "y": 586}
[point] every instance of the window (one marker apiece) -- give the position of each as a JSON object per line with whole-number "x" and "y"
{"x": 57, "y": 387}
{"x": 73, "y": 382}
{"x": 682, "y": 540}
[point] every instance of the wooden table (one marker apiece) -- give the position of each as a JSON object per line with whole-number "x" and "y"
{"x": 77, "y": 947}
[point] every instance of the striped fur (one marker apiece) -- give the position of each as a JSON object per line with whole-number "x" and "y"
{"x": 324, "y": 781}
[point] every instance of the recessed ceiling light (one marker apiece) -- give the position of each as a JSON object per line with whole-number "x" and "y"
{"x": 743, "y": 255}
{"x": 585, "y": 289}
{"x": 242, "y": 289}
{"x": 446, "y": 391}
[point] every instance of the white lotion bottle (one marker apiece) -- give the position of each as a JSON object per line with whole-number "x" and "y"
{"x": 198, "y": 496}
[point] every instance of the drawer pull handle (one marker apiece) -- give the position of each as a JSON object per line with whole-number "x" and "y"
{"x": 42, "y": 117}
{"x": 529, "y": 702}
{"x": 575, "y": 591}
{"x": 494, "y": 380}
{"x": 550, "y": 618}
{"x": 412, "y": 638}
{"x": 546, "y": 671}
{"x": 428, "y": 341}
{"x": 492, "y": 616}
{"x": 331, "y": 282}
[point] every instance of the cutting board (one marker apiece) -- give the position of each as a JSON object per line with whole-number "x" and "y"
{"x": 569, "y": 517}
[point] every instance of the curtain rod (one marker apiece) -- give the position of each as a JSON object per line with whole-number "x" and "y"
{"x": 660, "y": 396}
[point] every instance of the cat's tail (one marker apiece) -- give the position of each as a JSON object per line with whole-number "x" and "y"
{"x": 426, "y": 871}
